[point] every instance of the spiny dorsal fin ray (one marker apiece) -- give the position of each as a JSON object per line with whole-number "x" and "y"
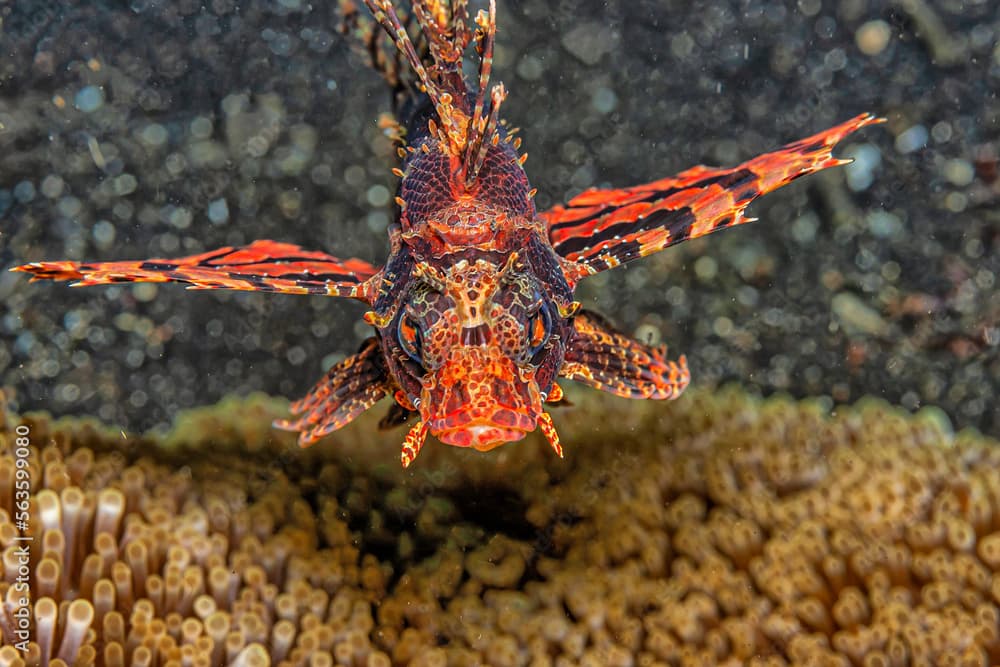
{"x": 482, "y": 131}
{"x": 463, "y": 133}
{"x": 446, "y": 32}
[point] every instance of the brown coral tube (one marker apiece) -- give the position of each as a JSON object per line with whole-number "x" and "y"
{"x": 80, "y": 616}
{"x": 46, "y": 615}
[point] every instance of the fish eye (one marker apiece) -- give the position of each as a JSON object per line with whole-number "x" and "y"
{"x": 539, "y": 328}
{"x": 410, "y": 339}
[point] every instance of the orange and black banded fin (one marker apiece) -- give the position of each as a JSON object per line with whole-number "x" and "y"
{"x": 349, "y": 388}
{"x": 548, "y": 429}
{"x": 413, "y": 443}
{"x": 600, "y": 357}
{"x": 600, "y": 229}
{"x": 557, "y": 397}
{"x": 262, "y": 266}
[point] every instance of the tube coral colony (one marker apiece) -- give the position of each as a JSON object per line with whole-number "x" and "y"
{"x": 474, "y": 311}
{"x": 768, "y": 532}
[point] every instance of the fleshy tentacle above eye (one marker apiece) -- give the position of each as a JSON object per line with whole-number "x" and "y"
{"x": 603, "y": 358}
{"x": 262, "y": 266}
{"x": 600, "y": 229}
{"x": 349, "y": 388}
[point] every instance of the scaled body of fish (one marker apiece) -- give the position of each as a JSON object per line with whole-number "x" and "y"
{"x": 473, "y": 311}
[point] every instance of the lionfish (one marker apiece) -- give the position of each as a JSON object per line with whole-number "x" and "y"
{"x": 473, "y": 312}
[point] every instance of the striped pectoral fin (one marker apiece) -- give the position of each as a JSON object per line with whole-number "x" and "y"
{"x": 557, "y": 397}
{"x": 603, "y": 358}
{"x": 600, "y": 229}
{"x": 349, "y": 388}
{"x": 262, "y": 266}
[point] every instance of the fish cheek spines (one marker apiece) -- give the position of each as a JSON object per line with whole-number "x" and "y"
{"x": 545, "y": 358}
{"x": 530, "y": 329}
{"x": 410, "y": 339}
{"x": 552, "y": 303}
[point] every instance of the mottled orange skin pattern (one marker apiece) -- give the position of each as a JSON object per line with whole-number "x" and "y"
{"x": 473, "y": 311}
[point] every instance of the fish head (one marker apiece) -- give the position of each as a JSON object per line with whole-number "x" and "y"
{"x": 477, "y": 345}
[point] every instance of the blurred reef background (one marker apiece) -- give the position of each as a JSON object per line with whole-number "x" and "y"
{"x": 153, "y": 128}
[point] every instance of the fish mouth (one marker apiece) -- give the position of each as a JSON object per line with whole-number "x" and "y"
{"x": 480, "y": 434}
{"x": 480, "y": 403}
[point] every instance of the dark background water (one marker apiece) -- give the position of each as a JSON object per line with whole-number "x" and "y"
{"x": 168, "y": 128}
